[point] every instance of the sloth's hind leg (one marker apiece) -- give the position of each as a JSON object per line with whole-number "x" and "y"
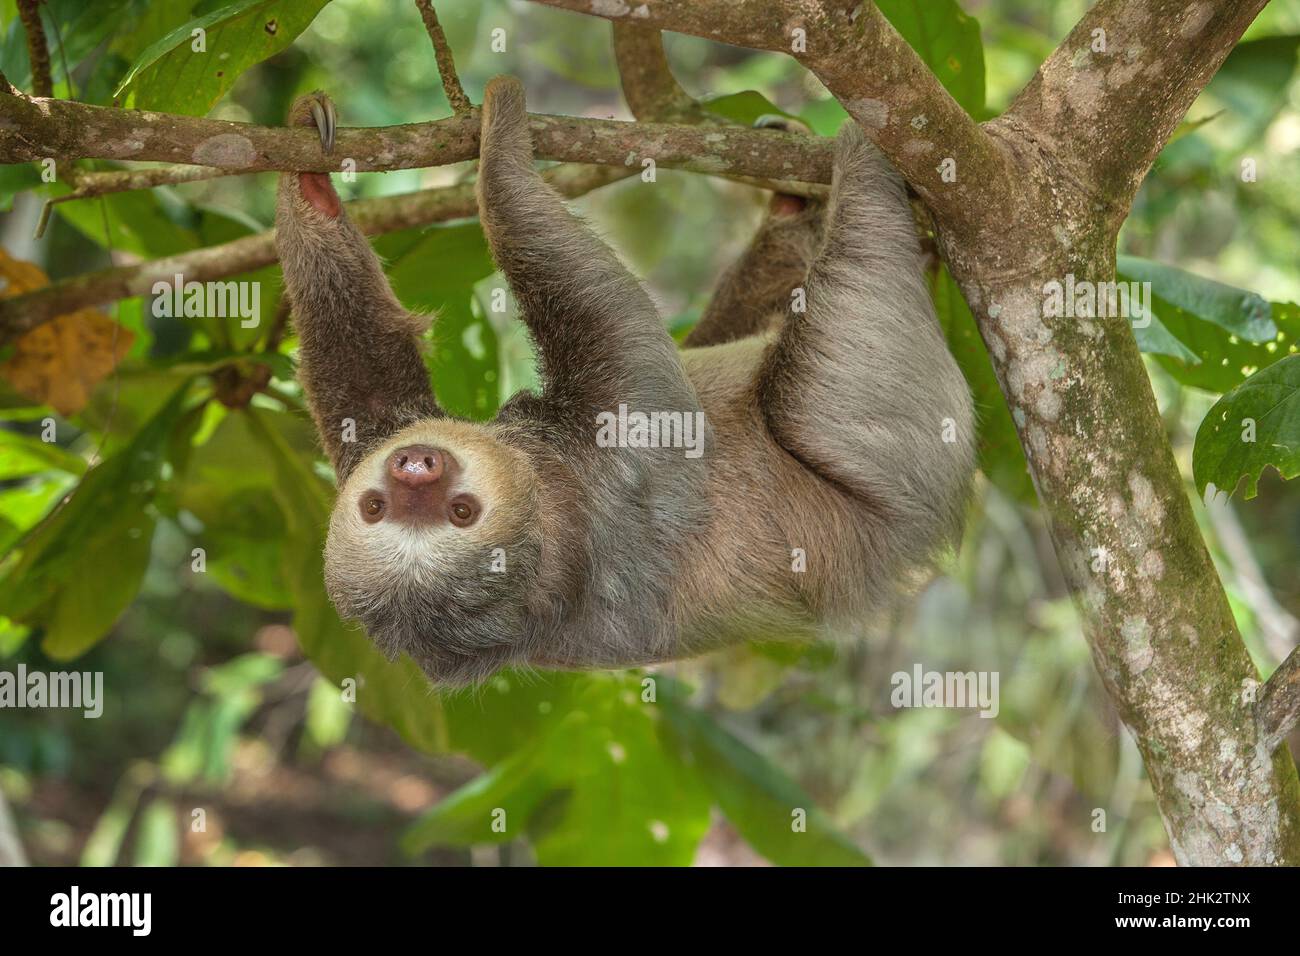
{"x": 861, "y": 387}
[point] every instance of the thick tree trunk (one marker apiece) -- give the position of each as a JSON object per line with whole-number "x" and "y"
{"x": 1153, "y": 610}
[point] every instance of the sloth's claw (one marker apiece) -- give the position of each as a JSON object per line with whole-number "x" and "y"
{"x": 316, "y": 109}
{"x": 322, "y": 112}
{"x": 786, "y": 124}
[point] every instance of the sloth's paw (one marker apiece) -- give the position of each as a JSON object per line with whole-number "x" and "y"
{"x": 787, "y": 124}
{"x": 315, "y": 109}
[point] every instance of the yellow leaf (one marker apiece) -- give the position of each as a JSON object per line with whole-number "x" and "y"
{"x": 61, "y": 361}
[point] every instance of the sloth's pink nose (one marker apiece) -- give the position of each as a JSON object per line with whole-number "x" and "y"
{"x": 415, "y": 465}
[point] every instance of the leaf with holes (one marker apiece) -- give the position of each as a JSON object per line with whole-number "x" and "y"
{"x": 188, "y": 71}
{"x": 1254, "y": 425}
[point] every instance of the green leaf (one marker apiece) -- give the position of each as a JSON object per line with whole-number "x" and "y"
{"x": 463, "y": 361}
{"x": 744, "y": 107}
{"x": 1237, "y": 311}
{"x": 1154, "y": 338}
{"x": 948, "y": 40}
{"x": 157, "y": 841}
{"x": 138, "y": 222}
{"x": 171, "y": 76}
{"x": 758, "y": 799}
{"x": 1223, "y": 334}
{"x": 229, "y": 486}
{"x": 505, "y": 795}
{"x": 23, "y": 455}
{"x": 1001, "y": 457}
{"x": 16, "y": 179}
{"x": 1254, "y": 425}
{"x": 328, "y": 714}
{"x": 603, "y": 767}
{"x": 1253, "y": 80}
{"x": 76, "y": 571}
{"x": 649, "y": 805}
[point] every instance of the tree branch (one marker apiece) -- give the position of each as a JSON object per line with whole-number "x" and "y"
{"x": 38, "y": 50}
{"x": 22, "y": 313}
{"x": 1110, "y": 96}
{"x": 1278, "y": 709}
{"x": 460, "y": 104}
{"x": 876, "y": 76}
{"x": 33, "y": 129}
{"x": 649, "y": 87}
{"x": 87, "y": 185}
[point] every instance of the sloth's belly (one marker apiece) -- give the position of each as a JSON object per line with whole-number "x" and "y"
{"x": 783, "y": 547}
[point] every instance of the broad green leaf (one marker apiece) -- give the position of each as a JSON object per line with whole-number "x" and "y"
{"x": 1154, "y": 338}
{"x": 948, "y": 40}
{"x": 602, "y": 767}
{"x": 158, "y": 223}
{"x": 1237, "y": 311}
{"x": 824, "y": 116}
{"x": 494, "y": 807}
{"x": 743, "y": 108}
{"x": 1223, "y": 334}
{"x": 22, "y": 455}
{"x": 76, "y": 572}
{"x": 646, "y": 800}
{"x": 23, "y": 505}
{"x": 1001, "y": 457}
{"x": 229, "y": 486}
{"x": 15, "y": 179}
{"x": 1254, "y": 79}
{"x": 1254, "y": 425}
{"x": 138, "y": 222}
{"x": 436, "y": 270}
{"x": 82, "y": 27}
{"x": 172, "y": 76}
{"x": 755, "y": 795}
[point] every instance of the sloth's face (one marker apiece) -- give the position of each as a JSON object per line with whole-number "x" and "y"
{"x": 431, "y": 540}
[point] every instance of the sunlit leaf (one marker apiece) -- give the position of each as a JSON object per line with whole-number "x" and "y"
{"x": 948, "y": 40}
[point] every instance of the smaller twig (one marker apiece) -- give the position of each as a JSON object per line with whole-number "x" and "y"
{"x": 1278, "y": 709}
{"x": 38, "y": 51}
{"x": 373, "y": 216}
{"x": 460, "y": 104}
{"x": 88, "y": 184}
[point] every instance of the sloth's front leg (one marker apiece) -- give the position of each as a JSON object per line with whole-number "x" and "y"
{"x": 359, "y": 363}
{"x": 601, "y": 340}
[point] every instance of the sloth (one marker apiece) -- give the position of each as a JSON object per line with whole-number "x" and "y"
{"x": 833, "y": 454}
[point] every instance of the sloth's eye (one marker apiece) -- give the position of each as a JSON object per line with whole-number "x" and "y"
{"x": 463, "y": 511}
{"x": 372, "y": 508}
